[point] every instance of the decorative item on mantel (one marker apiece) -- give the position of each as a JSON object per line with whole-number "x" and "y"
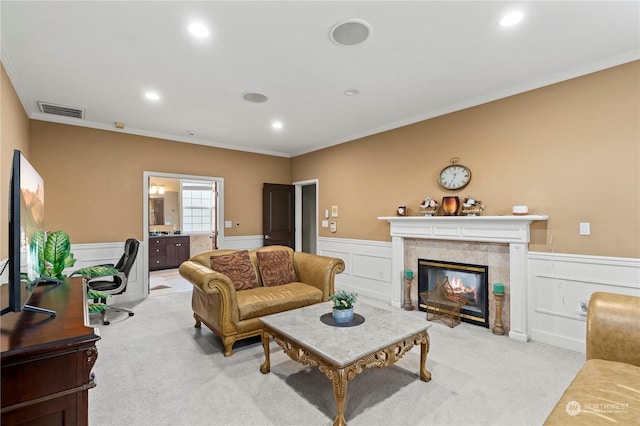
{"x": 401, "y": 210}
{"x": 450, "y": 206}
{"x": 428, "y": 207}
{"x": 472, "y": 207}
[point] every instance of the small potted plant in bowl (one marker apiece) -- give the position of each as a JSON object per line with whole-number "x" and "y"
{"x": 343, "y": 305}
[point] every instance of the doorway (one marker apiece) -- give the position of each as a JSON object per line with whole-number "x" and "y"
{"x": 306, "y": 215}
{"x": 192, "y": 206}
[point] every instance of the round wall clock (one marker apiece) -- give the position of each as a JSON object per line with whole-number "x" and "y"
{"x": 454, "y": 176}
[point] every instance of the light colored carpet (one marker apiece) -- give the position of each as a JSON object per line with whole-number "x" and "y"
{"x": 156, "y": 369}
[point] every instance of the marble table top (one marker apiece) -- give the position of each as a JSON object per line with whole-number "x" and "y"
{"x": 344, "y": 345}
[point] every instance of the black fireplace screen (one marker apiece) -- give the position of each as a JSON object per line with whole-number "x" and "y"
{"x": 470, "y": 281}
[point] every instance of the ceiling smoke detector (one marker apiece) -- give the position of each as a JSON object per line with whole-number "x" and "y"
{"x": 350, "y": 32}
{"x": 255, "y": 97}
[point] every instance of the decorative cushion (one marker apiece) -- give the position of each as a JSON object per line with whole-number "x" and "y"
{"x": 276, "y": 267}
{"x": 237, "y": 266}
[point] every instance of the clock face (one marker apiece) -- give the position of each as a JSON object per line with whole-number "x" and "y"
{"x": 454, "y": 177}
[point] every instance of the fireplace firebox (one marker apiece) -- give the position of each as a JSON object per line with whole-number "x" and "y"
{"x": 470, "y": 281}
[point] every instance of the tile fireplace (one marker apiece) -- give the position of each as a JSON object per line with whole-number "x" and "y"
{"x": 510, "y": 231}
{"x": 469, "y": 281}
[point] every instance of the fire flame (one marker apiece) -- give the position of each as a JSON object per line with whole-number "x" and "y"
{"x": 458, "y": 287}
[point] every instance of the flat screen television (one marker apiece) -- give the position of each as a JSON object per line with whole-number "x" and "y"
{"x": 26, "y": 227}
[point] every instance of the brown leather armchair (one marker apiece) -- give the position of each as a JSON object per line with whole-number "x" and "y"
{"x": 606, "y": 390}
{"x": 235, "y": 314}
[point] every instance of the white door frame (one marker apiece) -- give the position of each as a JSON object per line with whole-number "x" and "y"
{"x": 298, "y": 210}
{"x": 145, "y": 215}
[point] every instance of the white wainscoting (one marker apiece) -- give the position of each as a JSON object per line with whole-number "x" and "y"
{"x": 559, "y": 282}
{"x": 556, "y": 283}
{"x": 246, "y": 242}
{"x": 101, "y": 253}
{"x": 367, "y": 265}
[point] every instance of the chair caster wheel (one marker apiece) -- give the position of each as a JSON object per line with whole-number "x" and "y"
{"x": 106, "y": 323}
{"x": 130, "y": 314}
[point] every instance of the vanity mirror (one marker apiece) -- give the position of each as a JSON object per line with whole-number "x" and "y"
{"x": 164, "y": 205}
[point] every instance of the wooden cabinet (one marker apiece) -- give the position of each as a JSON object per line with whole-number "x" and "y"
{"x": 47, "y": 362}
{"x": 168, "y": 252}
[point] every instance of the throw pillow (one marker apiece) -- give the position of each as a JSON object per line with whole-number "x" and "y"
{"x": 276, "y": 267}
{"x": 237, "y": 266}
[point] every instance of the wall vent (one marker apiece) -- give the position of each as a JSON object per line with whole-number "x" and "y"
{"x": 49, "y": 108}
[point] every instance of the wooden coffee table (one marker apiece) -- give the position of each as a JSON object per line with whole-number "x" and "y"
{"x": 342, "y": 352}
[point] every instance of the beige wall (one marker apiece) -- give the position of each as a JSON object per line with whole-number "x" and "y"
{"x": 94, "y": 179}
{"x": 570, "y": 150}
{"x": 14, "y": 134}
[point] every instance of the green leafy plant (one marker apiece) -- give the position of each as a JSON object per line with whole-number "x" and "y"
{"x": 97, "y": 307}
{"x": 55, "y": 255}
{"x": 343, "y": 300}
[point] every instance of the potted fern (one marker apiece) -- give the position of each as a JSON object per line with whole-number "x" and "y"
{"x": 55, "y": 255}
{"x": 343, "y": 305}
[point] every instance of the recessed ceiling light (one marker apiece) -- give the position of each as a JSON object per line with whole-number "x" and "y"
{"x": 152, "y": 96}
{"x": 255, "y": 97}
{"x": 198, "y": 30}
{"x": 511, "y": 19}
{"x": 277, "y": 125}
{"x": 350, "y": 32}
{"x": 352, "y": 92}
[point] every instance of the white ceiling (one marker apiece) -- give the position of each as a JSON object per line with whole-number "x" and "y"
{"x": 422, "y": 59}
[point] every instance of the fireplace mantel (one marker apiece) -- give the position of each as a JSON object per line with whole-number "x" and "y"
{"x": 511, "y": 230}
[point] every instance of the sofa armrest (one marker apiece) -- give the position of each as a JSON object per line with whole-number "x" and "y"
{"x": 613, "y": 328}
{"x": 318, "y": 271}
{"x": 207, "y": 280}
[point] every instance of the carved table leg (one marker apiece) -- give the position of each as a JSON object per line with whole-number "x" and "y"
{"x": 266, "y": 366}
{"x": 425, "y": 375}
{"x": 340, "y": 393}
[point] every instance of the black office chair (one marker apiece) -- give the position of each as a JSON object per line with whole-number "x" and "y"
{"x": 116, "y": 284}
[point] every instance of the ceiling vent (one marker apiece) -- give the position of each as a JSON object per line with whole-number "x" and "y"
{"x": 65, "y": 111}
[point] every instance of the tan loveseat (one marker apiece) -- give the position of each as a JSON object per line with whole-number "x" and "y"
{"x": 606, "y": 390}
{"x": 235, "y": 314}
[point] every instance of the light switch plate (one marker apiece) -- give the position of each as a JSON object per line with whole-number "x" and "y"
{"x": 228, "y": 224}
{"x": 325, "y": 223}
{"x": 334, "y": 211}
{"x": 585, "y": 228}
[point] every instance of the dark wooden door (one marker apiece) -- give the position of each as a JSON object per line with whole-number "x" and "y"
{"x": 278, "y": 215}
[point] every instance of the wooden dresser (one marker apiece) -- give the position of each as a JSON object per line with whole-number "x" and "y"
{"x": 47, "y": 362}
